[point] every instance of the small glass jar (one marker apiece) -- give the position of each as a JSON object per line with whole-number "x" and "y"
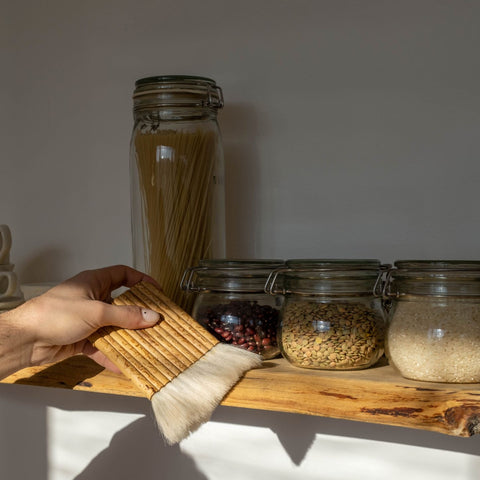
{"x": 177, "y": 178}
{"x": 434, "y": 326}
{"x": 333, "y": 316}
{"x": 232, "y": 304}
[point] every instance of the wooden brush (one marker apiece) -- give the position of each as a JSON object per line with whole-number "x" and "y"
{"x": 183, "y": 369}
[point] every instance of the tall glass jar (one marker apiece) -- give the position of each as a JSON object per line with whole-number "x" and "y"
{"x": 333, "y": 316}
{"x": 434, "y": 329}
{"x": 177, "y": 178}
{"x": 231, "y": 303}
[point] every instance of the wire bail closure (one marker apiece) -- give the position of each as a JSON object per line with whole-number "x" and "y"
{"x": 187, "y": 282}
{"x": 212, "y": 93}
{"x": 377, "y": 290}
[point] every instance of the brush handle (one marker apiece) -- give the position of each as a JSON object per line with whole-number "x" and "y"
{"x": 152, "y": 357}
{"x": 158, "y": 301}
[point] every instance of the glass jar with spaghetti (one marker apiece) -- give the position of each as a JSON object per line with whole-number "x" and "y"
{"x": 333, "y": 316}
{"x": 177, "y": 178}
{"x": 434, "y": 329}
{"x": 231, "y": 303}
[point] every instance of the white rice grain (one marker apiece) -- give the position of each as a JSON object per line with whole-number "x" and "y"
{"x": 436, "y": 341}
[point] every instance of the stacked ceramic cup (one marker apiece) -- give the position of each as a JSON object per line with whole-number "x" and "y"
{"x": 10, "y": 293}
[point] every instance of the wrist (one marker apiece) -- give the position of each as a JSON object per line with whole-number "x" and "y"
{"x": 15, "y": 342}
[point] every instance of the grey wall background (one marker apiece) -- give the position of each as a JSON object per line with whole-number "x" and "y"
{"x": 351, "y": 129}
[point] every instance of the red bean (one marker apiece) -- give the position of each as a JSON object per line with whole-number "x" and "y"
{"x": 243, "y": 323}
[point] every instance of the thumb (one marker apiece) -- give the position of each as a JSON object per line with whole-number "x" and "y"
{"x": 129, "y": 316}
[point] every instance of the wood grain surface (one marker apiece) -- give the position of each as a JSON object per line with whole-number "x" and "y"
{"x": 376, "y": 395}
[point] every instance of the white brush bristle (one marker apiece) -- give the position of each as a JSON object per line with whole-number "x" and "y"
{"x": 190, "y": 399}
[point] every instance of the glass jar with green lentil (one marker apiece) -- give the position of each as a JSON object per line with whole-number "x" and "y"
{"x": 333, "y": 317}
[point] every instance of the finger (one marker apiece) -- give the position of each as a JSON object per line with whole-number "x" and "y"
{"x": 122, "y": 276}
{"x": 125, "y": 316}
{"x": 100, "y": 358}
{"x": 104, "y": 280}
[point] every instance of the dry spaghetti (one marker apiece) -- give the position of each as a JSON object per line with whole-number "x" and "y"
{"x": 176, "y": 169}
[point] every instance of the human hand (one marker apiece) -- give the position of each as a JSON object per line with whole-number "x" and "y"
{"x": 57, "y": 324}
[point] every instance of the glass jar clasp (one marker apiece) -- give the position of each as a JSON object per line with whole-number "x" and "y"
{"x": 387, "y": 284}
{"x": 272, "y": 280}
{"x": 377, "y": 291}
{"x": 382, "y": 280}
{"x": 214, "y": 97}
{"x": 187, "y": 282}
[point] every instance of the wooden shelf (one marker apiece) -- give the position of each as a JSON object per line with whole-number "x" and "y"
{"x": 376, "y": 395}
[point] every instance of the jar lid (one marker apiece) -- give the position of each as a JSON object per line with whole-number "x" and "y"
{"x": 438, "y": 265}
{"x": 440, "y": 278}
{"x": 177, "y": 90}
{"x": 240, "y": 264}
{"x": 325, "y": 264}
{"x": 229, "y": 275}
{"x": 328, "y": 277}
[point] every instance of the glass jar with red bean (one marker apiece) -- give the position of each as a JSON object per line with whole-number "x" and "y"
{"x": 231, "y": 302}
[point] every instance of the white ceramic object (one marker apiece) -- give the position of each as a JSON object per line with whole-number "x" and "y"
{"x": 10, "y": 303}
{"x": 8, "y": 285}
{"x": 7, "y": 267}
{"x": 5, "y": 244}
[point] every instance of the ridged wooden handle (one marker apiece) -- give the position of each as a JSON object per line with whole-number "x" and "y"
{"x": 152, "y": 357}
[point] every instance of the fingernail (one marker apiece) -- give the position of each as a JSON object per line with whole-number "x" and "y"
{"x": 149, "y": 316}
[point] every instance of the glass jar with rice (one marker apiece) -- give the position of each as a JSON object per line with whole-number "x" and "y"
{"x": 434, "y": 329}
{"x": 333, "y": 316}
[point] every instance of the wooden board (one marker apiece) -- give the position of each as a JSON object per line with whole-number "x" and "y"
{"x": 376, "y": 395}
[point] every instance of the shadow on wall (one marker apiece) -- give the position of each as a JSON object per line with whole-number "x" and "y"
{"x": 240, "y": 128}
{"x": 47, "y": 265}
{"x": 23, "y": 434}
{"x": 137, "y": 451}
{"x": 297, "y": 432}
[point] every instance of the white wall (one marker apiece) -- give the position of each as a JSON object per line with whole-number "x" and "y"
{"x": 350, "y": 130}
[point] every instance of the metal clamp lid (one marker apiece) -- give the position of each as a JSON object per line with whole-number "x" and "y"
{"x": 438, "y": 278}
{"x": 187, "y": 283}
{"x": 228, "y": 275}
{"x": 271, "y": 283}
{"x": 178, "y": 90}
